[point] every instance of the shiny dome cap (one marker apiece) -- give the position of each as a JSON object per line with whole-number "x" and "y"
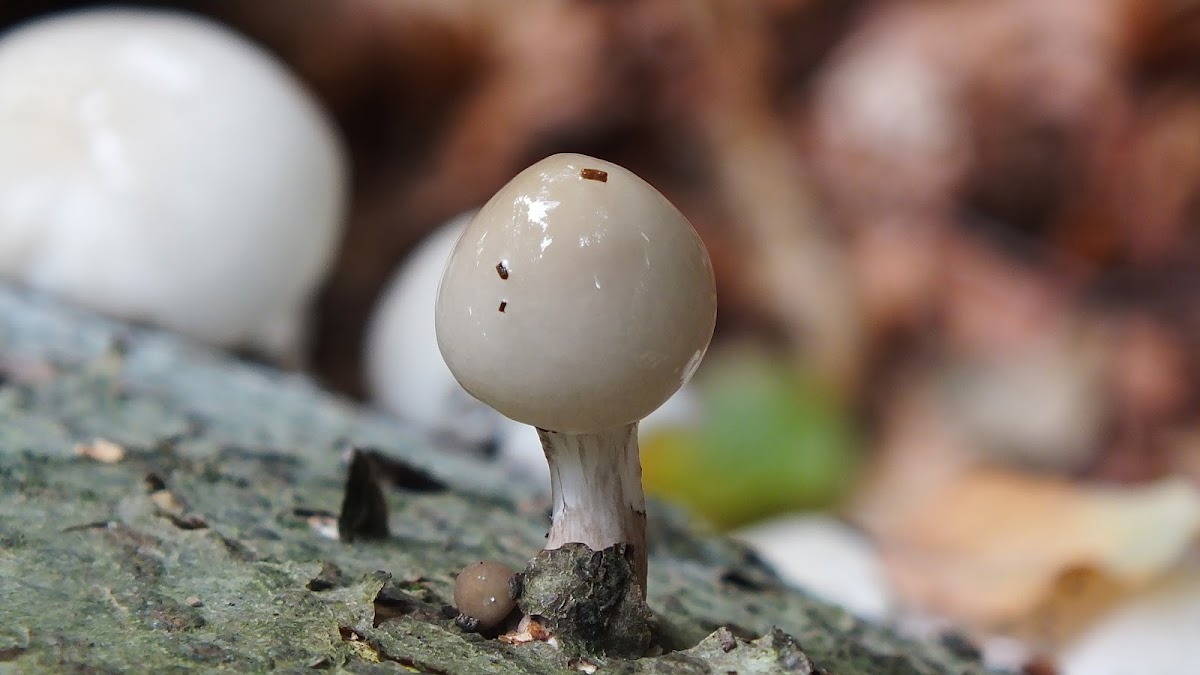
{"x": 578, "y": 299}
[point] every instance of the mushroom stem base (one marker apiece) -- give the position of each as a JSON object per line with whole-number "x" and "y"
{"x": 596, "y": 486}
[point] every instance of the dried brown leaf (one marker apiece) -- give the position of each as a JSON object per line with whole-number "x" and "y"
{"x": 1002, "y": 549}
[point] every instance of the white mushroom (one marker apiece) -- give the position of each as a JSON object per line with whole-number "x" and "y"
{"x": 406, "y": 375}
{"x": 158, "y": 167}
{"x": 404, "y": 371}
{"x": 578, "y": 300}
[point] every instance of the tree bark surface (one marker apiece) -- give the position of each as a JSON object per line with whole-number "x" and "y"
{"x": 207, "y": 538}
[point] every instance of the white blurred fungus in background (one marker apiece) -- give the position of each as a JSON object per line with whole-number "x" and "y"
{"x": 158, "y": 167}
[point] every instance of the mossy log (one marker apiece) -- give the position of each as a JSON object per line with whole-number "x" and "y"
{"x": 197, "y": 534}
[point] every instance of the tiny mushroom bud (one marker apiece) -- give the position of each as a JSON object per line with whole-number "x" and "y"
{"x": 578, "y": 300}
{"x": 481, "y": 592}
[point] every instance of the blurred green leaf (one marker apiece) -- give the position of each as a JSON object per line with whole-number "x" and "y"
{"x": 772, "y": 440}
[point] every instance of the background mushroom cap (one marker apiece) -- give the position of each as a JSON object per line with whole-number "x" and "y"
{"x": 576, "y": 304}
{"x": 158, "y": 166}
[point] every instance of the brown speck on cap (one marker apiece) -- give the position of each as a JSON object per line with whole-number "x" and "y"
{"x": 503, "y": 304}
{"x": 594, "y": 174}
{"x": 502, "y": 270}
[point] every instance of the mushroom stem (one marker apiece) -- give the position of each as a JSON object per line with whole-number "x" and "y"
{"x": 596, "y": 485}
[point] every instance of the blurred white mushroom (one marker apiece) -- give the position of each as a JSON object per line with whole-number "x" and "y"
{"x": 158, "y": 167}
{"x": 1151, "y": 633}
{"x": 1040, "y": 405}
{"x": 405, "y": 372}
{"x": 825, "y": 557}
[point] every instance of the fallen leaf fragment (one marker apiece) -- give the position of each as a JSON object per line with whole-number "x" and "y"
{"x": 324, "y": 526}
{"x": 168, "y": 503}
{"x": 1001, "y": 549}
{"x": 529, "y": 630}
{"x": 101, "y": 450}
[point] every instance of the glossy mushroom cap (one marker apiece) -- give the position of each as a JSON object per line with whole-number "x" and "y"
{"x": 578, "y": 299}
